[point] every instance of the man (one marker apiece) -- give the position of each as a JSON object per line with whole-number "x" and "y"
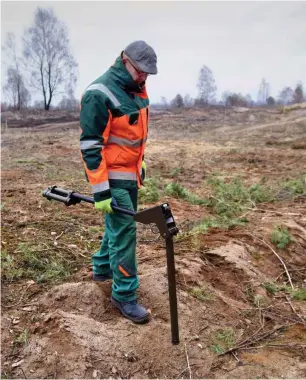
{"x": 114, "y": 122}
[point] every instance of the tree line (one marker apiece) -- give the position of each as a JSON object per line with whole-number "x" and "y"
{"x": 207, "y": 89}
{"x": 47, "y": 69}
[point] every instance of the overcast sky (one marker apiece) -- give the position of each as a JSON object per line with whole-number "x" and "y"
{"x": 241, "y": 42}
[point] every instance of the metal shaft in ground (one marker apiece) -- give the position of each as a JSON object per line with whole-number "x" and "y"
{"x": 172, "y": 291}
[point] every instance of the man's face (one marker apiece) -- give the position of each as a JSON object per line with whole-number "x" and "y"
{"x": 138, "y": 75}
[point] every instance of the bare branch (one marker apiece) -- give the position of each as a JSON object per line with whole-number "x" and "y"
{"x": 46, "y": 50}
{"x": 278, "y": 256}
{"x": 206, "y": 85}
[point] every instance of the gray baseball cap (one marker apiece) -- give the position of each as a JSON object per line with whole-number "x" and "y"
{"x": 143, "y": 56}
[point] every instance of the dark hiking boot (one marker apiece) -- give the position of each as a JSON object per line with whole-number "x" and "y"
{"x": 103, "y": 277}
{"x": 132, "y": 310}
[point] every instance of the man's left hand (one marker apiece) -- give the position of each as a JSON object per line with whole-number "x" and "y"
{"x": 143, "y": 171}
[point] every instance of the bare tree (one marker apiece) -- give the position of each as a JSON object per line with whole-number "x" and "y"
{"x": 178, "y": 101}
{"x": 224, "y": 97}
{"x": 14, "y": 87}
{"x": 271, "y": 101}
{"x": 188, "y": 102}
{"x": 206, "y": 85}
{"x": 46, "y": 50}
{"x": 263, "y": 93}
{"x": 69, "y": 103}
{"x": 39, "y": 105}
{"x": 15, "y": 90}
{"x": 11, "y": 88}
{"x": 249, "y": 100}
{"x": 25, "y": 96}
{"x": 4, "y": 106}
{"x": 286, "y": 95}
{"x": 164, "y": 101}
{"x": 236, "y": 100}
{"x": 298, "y": 96}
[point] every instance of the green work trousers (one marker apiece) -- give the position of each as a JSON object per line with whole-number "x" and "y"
{"x": 118, "y": 248}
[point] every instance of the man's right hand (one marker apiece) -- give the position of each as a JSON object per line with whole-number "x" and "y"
{"x": 104, "y": 206}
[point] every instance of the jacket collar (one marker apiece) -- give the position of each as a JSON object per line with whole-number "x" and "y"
{"x": 123, "y": 78}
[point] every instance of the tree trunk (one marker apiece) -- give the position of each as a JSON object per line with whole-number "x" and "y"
{"x": 18, "y": 98}
{"x": 43, "y": 86}
{"x": 49, "y": 85}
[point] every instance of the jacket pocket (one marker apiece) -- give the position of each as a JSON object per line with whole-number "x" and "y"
{"x": 134, "y": 118}
{"x": 127, "y": 270}
{"x": 127, "y": 157}
{"x": 112, "y": 152}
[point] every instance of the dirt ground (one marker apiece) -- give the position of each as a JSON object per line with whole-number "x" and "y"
{"x": 241, "y": 299}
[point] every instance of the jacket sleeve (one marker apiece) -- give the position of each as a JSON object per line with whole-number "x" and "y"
{"x": 95, "y": 120}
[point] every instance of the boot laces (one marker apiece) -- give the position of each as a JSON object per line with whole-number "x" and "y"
{"x": 132, "y": 303}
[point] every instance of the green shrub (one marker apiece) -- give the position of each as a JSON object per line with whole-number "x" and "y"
{"x": 295, "y": 186}
{"x": 280, "y": 237}
{"x": 150, "y": 192}
{"x": 176, "y": 190}
{"x": 230, "y": 199}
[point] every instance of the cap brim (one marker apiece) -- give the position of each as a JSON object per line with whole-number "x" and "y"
{"x": 153, "y": 72}
{"x": 146, "y": 69}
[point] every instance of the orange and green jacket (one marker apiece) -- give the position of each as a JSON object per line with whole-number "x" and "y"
{"x": 114, "y": 122}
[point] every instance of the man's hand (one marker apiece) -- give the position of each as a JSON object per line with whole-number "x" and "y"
{"x": 143, "y": 170}
{"x": 104, "y": 206}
